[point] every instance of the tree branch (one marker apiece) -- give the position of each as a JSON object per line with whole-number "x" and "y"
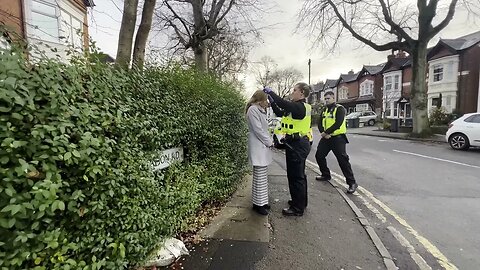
{"x": 178, "y": 17}
{"x": 394, "y": 45}
{"x": 446, "y": 21}
{"x": 230, "y": 5}
{"x": 399, "y": 32}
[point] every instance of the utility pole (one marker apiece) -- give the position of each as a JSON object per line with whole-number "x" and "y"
{"x": 309, "y": 65}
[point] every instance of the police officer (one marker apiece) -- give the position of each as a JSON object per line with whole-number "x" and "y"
{"x": 333, "y": 129}
{"x": 296, "y": 122}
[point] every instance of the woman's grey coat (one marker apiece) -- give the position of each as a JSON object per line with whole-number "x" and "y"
{"x": 259, "y": 139}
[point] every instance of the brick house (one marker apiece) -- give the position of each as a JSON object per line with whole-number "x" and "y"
{"x": 453, "y": 74}
{"x": 316, "y": 95}
{"x": 397, "y": 77}
{"x": 348, "y": 90}
{"x": 330, "y": 85}
{"x": 46, "y": 23}
{"x": 370, "y": 82}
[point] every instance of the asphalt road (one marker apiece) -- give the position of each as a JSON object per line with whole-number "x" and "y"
{"x": 428, "y": 208}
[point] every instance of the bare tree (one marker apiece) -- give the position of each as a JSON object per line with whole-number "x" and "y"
{"x": 196, "y": 21}
{"x": 283, "y": 80}
{"x": 142, "y": 33}
{"x": 127, "y": 29}
{"x": 227, "y": 54}
{"x": 263, "y": 70}
{"x": 405, "y": 26}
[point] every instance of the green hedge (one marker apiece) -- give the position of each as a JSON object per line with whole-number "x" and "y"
{"x": 77, "y": 141}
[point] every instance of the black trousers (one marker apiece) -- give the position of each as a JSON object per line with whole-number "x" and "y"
{"x": 296, "y": 155}
{"x": 336, "y": 144}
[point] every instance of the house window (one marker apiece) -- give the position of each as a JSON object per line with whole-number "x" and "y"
{"x": 388, "y": 109}
{"x": 366, "y": 88}
{"x": 343, "y": 93}
{"x": 397, "y": 82}
{"x": 72, "y": 29}
{"x": 408, "y": 110}
{"x": 448, "y": 101}
{"x": 388, "y": 83}
{"x": 437, "y": 73}
{"x": 44, "y": 20}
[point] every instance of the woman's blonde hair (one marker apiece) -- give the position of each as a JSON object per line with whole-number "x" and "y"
{"x": 257, "y": 97}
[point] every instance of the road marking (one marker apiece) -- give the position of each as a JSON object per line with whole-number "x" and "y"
{"x": 422, "y": 264}
{"x": 384, "y": 140}
{"x": 372, "y": 208}
{"x": 436, "y": 253}
{"x": 439, "y": 159}
{"x": 442, "y": 260}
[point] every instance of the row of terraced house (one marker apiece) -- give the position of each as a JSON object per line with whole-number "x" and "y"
{"x": 452, "y": 82}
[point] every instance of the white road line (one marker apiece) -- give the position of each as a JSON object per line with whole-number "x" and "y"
{"x": 436, "y": 253}
{"x": 422, "y": 264}
{"x": 439, "y": 159}
{"x": 442, "y": 260}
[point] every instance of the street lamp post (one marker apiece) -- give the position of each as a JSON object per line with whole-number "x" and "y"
{"x": 309, "y": 64}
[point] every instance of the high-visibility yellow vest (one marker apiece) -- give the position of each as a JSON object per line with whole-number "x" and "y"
{"x": 328, "y": 119}
{"x": 300, "y": 126}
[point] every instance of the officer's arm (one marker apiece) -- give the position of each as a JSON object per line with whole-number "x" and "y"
{"x": 278, "y": 112}
{"x": 296, "y": 108}
{"x": 321, "y": 128}
{"x": 340, "y": 116}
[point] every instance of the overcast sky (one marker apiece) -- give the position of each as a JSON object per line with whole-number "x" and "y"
{"x": 280, "y": 42}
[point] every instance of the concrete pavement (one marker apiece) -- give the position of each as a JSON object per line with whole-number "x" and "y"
{"x": 328, "y": 236}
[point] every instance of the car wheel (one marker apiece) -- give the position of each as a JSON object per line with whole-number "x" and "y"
{"x": 459, "y": 141}
{"x": 371, "y": 122}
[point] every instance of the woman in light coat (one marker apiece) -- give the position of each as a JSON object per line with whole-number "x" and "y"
{"x": 259, "y": 149}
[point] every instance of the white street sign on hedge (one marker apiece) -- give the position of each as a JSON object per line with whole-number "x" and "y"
{"x": 167, "y": 157}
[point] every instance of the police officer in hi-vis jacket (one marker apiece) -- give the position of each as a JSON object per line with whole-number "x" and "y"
{"x": 333, "y": 129}
{"x": 296, "y": 124}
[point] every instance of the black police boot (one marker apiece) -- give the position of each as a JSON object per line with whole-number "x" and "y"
{"x": 351, "y": 189}
{"x": 292, "y": 212}
{"x": 322, "y": 178}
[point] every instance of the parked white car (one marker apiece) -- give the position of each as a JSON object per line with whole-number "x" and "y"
{"x": 368, "y": 117}
{"x": 464, "y": 132}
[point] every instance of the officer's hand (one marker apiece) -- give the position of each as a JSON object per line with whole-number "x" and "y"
{"x": 267, "y": 90}
{"x": 328, "y": 136}
{"x": 323, "y": 134}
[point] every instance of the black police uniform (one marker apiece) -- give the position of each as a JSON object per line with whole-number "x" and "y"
{"x": 297, "y": 150}
{"x": 337, "y": 144}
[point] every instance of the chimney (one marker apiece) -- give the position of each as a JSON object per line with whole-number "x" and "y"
{"x": 390, "y": 57}
{"x": 351, "y": 72}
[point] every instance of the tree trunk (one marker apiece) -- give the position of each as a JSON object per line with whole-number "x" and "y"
{"x": 125, "y": 38}
{"x": 142, "y": 33}
{"x": 201, "y": 57}
{"x": 421, "y": 126}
